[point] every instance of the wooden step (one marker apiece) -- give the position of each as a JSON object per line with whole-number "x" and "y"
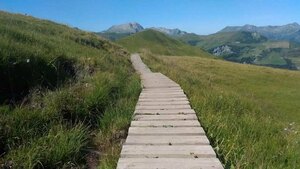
{"x": 162, "y": 99}
{"x": 158, "y": 131}
{"x": 167, "y": 140}
{"x": 165, "y": 117}
{"x": 159, "y": 103}
{"x": 166, "y": 123}
{"x": 162, "y": 107}
{"x": 164, "y": 112}
{"x": 169, "y": 163}
{"x": 167, "y": 151}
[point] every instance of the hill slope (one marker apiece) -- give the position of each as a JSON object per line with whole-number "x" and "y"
{"x": 157, "y": 43}
{"x": 59, "y": 85}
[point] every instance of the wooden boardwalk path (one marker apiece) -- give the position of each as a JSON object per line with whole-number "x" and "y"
{"x": 165, "y": 132}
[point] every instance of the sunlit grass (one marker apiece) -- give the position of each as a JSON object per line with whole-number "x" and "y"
{"x": 63, "y": 92}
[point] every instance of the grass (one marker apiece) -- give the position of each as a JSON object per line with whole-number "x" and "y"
{"x": 250, "y": 113}
{"x": 64, "y": 93}
{"x": 157, "y": 43}
{"x": 272, "y": 58}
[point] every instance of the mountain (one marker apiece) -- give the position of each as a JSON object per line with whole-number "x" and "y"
{"x": 248, "y": 47}
{"x": 120, "y": 31}
{"x": 128, "y": 28}
{"x": 170, "y": 32}
{"x": 123, "y": 30}
{"x": 275, "y": 46}
{"x": 285, "y": 32}
{"x": 158, "y": 43}
{"x": 224, "y": 38}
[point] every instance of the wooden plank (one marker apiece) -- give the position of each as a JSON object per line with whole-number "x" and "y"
{"x": 159, "y": 85}
{"x": 162, "y": 90}
{"x": 165, "y": 117}
{"x": 163, "y": 112}
{"x": 169, "y": 163}
{"x": 156, "y": 103}
{"x": 167, "y": 140}
{"x": 161, "y": 93}
{"x": 161, "y": 99}
{"x": 170, "y": 89}
{"x": 162, "y": 107}
{"x": 162, "y": 151}
{"x": 166, "y": 124}
{"x": 158, "y": 131}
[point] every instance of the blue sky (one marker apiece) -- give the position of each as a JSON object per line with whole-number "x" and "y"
{"x": 199, "y": 16}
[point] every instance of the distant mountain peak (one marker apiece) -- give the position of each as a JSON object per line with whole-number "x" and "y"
{"x": 171, "y": 32}
{"x": 294, "y": 24}
{"x": 131, "y": 27}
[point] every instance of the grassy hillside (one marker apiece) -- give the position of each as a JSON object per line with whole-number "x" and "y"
{"x": 113, "y": 36}
{"x": 247, "y": 47}
{"x": 214, "y": 40}
{"x": 250, "y": 113}
{"x": 157, "y": 43}
{"x": 63, "y": 94}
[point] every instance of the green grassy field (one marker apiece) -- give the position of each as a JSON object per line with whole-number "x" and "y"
{"x": 250, "y": 113}
{"x": 63, "y": 94}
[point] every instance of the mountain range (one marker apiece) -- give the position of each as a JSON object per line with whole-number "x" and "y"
{"x": 284, "y": 32}
{"x": 120, "y": 31}
{"x": 275, "y": 46}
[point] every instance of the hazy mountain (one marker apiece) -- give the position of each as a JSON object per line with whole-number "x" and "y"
{"x": 120, "y": 31}
{"x": 170, "y": 32}
{"x": 284, "y": 32}
{"x": 123, "y": 30}
{"x": 129, "y": 28}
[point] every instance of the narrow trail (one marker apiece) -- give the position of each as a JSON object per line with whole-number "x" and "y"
{"x": 165, "y": 132}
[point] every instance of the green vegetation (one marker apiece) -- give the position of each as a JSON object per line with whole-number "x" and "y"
{"x": 247, "y": 47}
{"x": 272, "y": 58}
{"x": 113, "y": 36}
{"x": 158, "y": 43}
{"x": 218, "y": 39}
{"x": 64, "y": 93}
{"x": 250, "y": 113}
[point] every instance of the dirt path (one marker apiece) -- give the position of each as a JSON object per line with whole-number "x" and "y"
{"x": 165, "y": 132}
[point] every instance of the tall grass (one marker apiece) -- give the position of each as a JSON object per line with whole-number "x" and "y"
{"x": 63, "y": 92}
{"x": 249, "y": 124}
